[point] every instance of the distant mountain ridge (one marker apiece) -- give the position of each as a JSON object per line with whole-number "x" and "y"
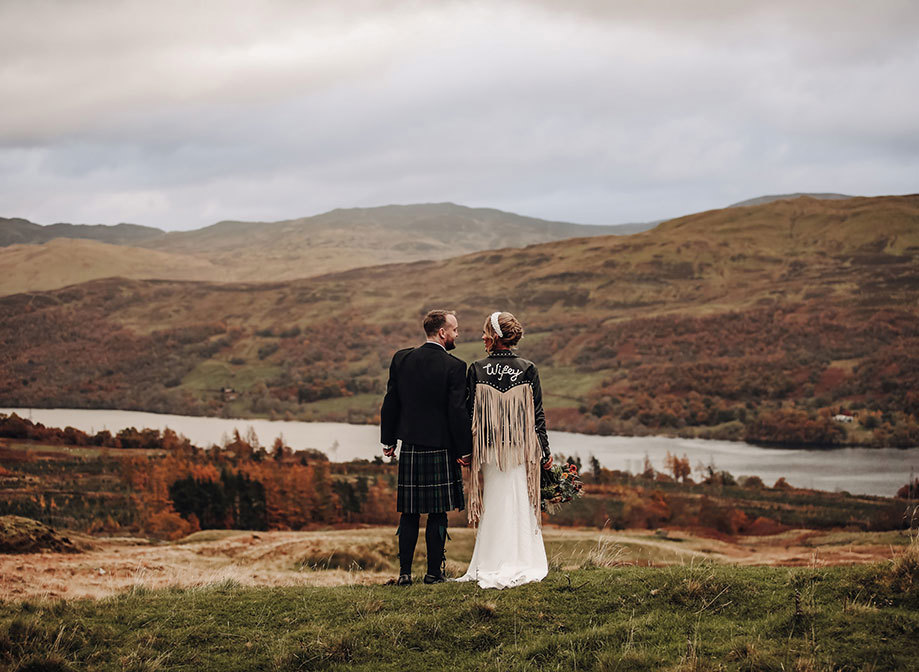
{"x": 414, "y": 217}
{"x": 227, "y": 251}
{"x": 242, "y": 251}
{"x": 763, "y": 200}
{"x": 446, "y": 227}
{"x": 18, "y": 231}
{"x": 422, "y": 218}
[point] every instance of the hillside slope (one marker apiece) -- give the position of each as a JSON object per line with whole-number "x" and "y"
{"x": 271, "y": 251}
{"x": 754, "y": 322}
{"x": 438, "y": 228}
{"x": 69, "y": 261}
{"x": 18, "y": 231}
{"x": 344, "y": 239}
{"x": 762, "y": 200}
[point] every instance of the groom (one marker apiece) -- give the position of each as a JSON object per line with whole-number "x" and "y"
{"x": 425, "y": 407}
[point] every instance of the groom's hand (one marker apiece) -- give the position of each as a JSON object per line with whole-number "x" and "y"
{"x": 465, "y": 460}
{"x": 548, "y": 463}
{"x": 389, "y": 451}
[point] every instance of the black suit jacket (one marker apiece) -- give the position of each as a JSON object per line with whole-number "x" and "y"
{"x": 425, "y": 402}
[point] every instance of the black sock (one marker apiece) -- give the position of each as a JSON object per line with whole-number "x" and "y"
{"x": 435, "y": 535}
{"x": 408, "y": 537}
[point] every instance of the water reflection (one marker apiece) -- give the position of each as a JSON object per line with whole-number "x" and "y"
{"x": 856, "y": 470}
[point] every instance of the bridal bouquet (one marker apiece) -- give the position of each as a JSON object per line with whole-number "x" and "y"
{"x": 559, "y": 484}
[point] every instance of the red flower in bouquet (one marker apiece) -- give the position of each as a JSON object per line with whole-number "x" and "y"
{"x": 563, "y": 486}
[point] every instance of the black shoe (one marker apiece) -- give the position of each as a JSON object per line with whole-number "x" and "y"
{"x": 404, "y": 580}
{"x": 434, "y": 578}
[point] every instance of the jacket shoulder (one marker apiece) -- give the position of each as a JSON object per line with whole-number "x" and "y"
{"x": 400, "y": 354}
{"x": 526, "y": 363}
{"x": 457, "y": 360}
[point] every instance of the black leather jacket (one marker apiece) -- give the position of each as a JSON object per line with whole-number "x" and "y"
{"x": 503, "y": 370}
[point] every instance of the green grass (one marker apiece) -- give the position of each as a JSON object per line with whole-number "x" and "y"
{"x": 565, "y": 386}
{"x": 211, "y": 375}
{"x": 366, "y": 402}
{"x": 698, "y": 617}
{"x": 469, "y": 352}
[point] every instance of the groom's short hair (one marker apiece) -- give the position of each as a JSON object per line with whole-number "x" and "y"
{"x": 434, "y": 320}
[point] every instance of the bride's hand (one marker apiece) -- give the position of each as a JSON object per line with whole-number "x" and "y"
{"x": 548, "y": 463}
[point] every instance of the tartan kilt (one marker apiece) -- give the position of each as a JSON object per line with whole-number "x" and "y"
{"x": 429, "y": 481}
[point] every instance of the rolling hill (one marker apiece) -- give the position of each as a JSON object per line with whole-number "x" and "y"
{"x": 762, "y": 200}
{"x": 436, "y": 228}
{"x": 268, "y": 251}
{"x": 757, "y": 322}
{"x": 68, "y": 261}
{"x": 18, "y": 231}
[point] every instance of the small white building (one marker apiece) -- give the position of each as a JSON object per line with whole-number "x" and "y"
{"x": 842, "y": 418}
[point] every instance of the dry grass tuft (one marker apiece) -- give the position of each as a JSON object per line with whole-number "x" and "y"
{"x": 607, "y": 553}
{"x": 483, "y": 611}
{"x": 365, "y": 608}
{"x": 856, "y": 605}
{"x": 804, "y": 664}
{"x": 904, "y": 568}
{"x": 371, "y": 557}
{"x": 339, "y": 647}
{"x": 744, "y": 651}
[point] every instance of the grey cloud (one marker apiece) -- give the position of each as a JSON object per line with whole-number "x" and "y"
{"x": 594, "y": 112}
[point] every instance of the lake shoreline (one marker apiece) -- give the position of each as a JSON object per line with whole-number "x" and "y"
{"x": 780, "y": 445}
{"x": 865, "y": 471}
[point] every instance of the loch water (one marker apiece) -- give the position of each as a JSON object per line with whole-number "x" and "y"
{"x": 869, "y": 471}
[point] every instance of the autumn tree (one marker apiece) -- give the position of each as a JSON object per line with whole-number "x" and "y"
{"x": 679, "y": 467}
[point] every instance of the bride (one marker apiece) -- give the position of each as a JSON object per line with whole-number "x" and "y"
{"x": 509, "y": 443}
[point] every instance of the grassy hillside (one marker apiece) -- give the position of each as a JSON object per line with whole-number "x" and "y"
{"x": 441, "y": 229}
{"x": 69, "y": 261}
{"x": 267, "y": 251}
{"x": 757, "y": 322}
{"x": 16, "y": 230}
{"x": 696, "y": 617}
{"x": 760, "y": 200}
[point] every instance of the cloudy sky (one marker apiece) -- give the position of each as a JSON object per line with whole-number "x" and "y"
{"x": 179, "y": 114}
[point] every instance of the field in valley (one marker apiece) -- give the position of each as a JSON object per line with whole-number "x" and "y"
{"x": 368, "y": 556}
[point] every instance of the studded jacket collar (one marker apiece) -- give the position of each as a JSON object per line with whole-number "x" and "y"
{"x": 503, "y": 370}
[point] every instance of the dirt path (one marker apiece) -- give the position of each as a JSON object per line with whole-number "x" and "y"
{"x": 300, "y": 558}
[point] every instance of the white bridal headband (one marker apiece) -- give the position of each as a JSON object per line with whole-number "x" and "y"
{"x": 495, "y": 325}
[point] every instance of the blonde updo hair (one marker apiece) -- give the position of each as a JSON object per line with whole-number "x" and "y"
{"x": 510, "y": 327}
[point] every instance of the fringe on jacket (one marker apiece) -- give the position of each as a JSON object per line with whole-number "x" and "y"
{"x": 504, "y": 435}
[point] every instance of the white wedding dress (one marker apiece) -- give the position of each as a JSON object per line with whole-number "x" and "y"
{"x": 509, "y": 549}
